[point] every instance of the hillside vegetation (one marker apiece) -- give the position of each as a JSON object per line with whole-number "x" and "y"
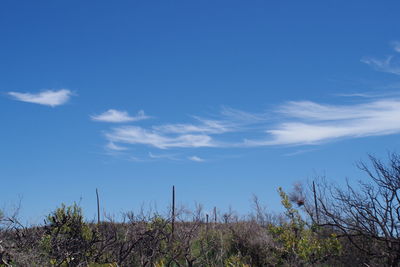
{"x": 323, "y": 225}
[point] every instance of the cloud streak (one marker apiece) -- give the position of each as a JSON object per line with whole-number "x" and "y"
{"x": 138, "y": 135}
{"x": 163, "y": 156}
{"x": 118, "y": 116}
{"x": 196, "y": 159}
{"x": 396, "y": 46}
{"x": 296, "y": 123}
{"x": 391, "y": 64}
{"x": 312, "y": 123}
{"x": 51, "y": 98}
{"x": 200, "y": 133}
{"x": 113, "y": 147}
{"x": 205, "y": 126}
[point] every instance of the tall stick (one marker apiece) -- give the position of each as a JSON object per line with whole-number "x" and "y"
{"x": 215, "y": 214}
{"x": 315, "y": 202}
{"x": 207, "y": 223}
{"x": 173, "y": 210}
{"x": 98, "y": 206}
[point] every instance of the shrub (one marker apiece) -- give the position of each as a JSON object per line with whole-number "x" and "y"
{"x": 302, "y": 243}
{"x": 68, "y": 240}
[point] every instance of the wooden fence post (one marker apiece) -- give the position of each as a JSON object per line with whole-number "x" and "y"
{"x": 173, "y": 211}
{"x": 315, "y": 202}
{"x": 98, "y": 206}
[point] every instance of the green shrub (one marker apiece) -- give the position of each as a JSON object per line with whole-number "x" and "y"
{"x": 301, "y": 243}
{"x": 68, "y": 240}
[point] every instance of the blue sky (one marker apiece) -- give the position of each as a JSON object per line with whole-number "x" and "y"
{"x": 223, "y": 99}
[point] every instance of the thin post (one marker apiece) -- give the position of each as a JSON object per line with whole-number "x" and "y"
{"x": 173, "y": 210}
{"x": 215, "y": 214}
{"x": 206, "y": 222}
{"x": 98, "y": 206}
{"x": 315, "y": 202}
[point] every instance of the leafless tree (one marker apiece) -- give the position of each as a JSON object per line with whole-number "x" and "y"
{"x": 368, "y": 215}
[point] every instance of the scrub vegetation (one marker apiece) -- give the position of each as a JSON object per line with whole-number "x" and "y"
{"x": 323, "y": 225}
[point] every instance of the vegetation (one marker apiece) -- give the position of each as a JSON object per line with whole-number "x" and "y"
{"x": 323, "y": 226}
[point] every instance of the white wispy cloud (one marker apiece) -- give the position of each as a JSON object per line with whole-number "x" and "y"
{"x": 139, "y": 135}
{"x": 119, "y": 116}
{"x": 295, "y": 123}
{"x": 196, "y": 159}
{"x": 361, "y": 95}
{"x": 300, "y": 152}
{"x": 391, "y": 64}
{"x": 114, "y": 147}
{"x": 230, "y": 120}
{"x": 313, "y": 123}
{"x": 396, "y": 46}
{"x": 309, "y": 110}
{"x": 163, "y": 156}
{"x": 185, "y": 135}
{"x": 243, "y": 117}
{"x": 375, "y": 95}
{"x": 49, "y": 97}
{"x": 205, "y": 126}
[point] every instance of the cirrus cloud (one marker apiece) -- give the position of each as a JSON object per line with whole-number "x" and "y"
{"x": 48, "y": 98}
{"x": 309, "y": 123}
{"x": 118, "y": 116}
{"x": 295, "y": 123}
{"x": 138, "y": 135}
{"x": 391, "y": 64}
{"x": 196, "y": 159}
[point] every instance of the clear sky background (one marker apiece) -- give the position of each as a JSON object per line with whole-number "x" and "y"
{"x": 223, "y": 99}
